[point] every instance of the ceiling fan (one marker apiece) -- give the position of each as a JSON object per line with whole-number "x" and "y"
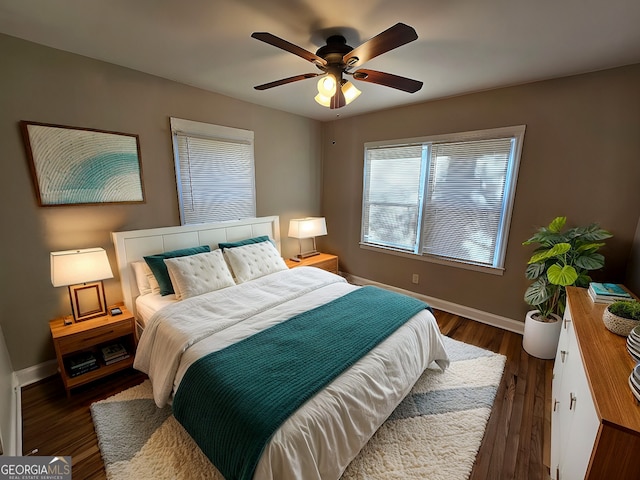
{"x": 336, "y": 59}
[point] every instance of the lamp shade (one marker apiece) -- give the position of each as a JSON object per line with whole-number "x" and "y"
{"x": 348, "y": 89}
{"x": 70, "y": 267}
{"x": 350, "y": 92}
{"x": 309, "y": 227}
{"x": 322, "y": 100}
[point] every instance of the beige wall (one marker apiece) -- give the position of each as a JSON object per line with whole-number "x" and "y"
{"x": 45, "y": 85}
{"x": 581, "y": 158}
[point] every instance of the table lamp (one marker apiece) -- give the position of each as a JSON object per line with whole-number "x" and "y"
{"x": 310, "y": 227}
{"x": 82, "y": 271}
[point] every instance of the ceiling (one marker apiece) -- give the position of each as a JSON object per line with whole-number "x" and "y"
{"x": 463, "y": 46}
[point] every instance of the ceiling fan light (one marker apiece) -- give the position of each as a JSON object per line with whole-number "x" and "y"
{"x": 327, "y": 86}
{"x": 322, "y": 100}
{"x": 350, "y": 92}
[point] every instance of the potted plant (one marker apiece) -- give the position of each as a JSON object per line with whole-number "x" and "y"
{"x": 620, "y": 317}
{"x": 561, "y": 258}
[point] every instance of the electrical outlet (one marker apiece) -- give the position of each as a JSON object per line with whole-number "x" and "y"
{"x": 415, "y": 278}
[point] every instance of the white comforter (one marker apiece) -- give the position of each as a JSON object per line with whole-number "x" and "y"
{"x": 327, "y": 432}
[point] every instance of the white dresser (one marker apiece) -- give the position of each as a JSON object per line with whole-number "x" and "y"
{"x": 595, "y": 421}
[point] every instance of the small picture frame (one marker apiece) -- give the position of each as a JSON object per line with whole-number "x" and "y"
{"x": 88, "y": 300}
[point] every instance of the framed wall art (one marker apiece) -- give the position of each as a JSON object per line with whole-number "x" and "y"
{"x": 83, "y": 166}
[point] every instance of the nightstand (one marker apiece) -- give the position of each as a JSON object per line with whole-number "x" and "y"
{"x": 76, "y": 343}
{"x": 325, "y": 261}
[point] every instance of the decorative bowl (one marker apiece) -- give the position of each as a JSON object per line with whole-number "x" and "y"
{"x": 618, "y": 325}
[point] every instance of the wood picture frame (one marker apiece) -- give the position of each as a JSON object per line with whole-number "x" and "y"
{"x": 88, "y": 300}
{"x": 83, "y": 166}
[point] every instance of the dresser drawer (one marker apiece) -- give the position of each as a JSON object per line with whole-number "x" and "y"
{"x": 83, "y": 340}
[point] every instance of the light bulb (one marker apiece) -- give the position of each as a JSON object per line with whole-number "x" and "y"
{"x": 327, "y": 86}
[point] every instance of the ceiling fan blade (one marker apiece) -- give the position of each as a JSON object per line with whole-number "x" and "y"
{"x": 338, "y": 100}
{"x": 388, "y": 80}
{"x": 284, "y": 81}
{"x": 289, "y": 47}
{"x": 394, "y": 37}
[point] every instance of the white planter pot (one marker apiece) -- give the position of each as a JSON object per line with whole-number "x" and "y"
{"x": 541, "y": 338}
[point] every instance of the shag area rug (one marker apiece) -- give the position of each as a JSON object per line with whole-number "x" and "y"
{"x": 435, "y": 433}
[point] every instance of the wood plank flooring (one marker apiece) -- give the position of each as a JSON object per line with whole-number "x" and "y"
{"x": 515, "y": 445}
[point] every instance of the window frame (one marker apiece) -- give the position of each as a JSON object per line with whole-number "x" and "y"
{"x": 209, "y": 131}
{"x": 514, "y": 132}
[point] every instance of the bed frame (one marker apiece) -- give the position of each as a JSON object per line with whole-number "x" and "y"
{"x": 133, "y": 245}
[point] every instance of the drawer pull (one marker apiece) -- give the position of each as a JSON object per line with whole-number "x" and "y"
{"x": 572, "y": 401}
{"x": 566, "y": 322}
{"x": 555, "y": 404}
{"x": 89, "y": 339}
{"x": 563, "y": 355}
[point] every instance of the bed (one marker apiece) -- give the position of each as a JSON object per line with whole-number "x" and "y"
{"x": 180, "y": 333}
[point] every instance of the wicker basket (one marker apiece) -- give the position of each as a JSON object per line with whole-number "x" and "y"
{"x": 618, "y": 325}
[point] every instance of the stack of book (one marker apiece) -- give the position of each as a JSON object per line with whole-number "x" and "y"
{"x": 607, "y": 292}
{"x": 114, "y": 353}
{"x": 81, "y": 363}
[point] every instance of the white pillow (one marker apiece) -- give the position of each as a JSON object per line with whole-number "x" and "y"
{"x": 197, "y": 274}
{"x": 145, "y": 280}
{"x": 254, "y": 260}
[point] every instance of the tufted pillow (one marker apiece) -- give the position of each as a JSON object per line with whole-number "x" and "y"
{"x": 159, "y": 269}
{"x": 197, "y": 274}
{"x": 254, "y": 260}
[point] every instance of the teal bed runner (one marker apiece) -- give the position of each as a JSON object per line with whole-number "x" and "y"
{"x": 232, "y": 401}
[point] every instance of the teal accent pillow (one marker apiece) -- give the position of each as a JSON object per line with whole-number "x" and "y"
{"x": 246, "y": 241}
{"x": 159, "y": 269}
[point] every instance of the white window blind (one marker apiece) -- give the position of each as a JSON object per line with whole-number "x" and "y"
{"x": 392, "y": 196}
{"x": 214, "y": 172}
{"x": 447, "y": 197}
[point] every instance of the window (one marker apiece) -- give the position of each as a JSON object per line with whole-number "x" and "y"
{"x": 214, "y": 172}
{"x": 446, "y": 198}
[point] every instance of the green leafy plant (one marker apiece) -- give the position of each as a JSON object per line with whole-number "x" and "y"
{"x": 629, "y": 309}
{"x": 562, "y": 258}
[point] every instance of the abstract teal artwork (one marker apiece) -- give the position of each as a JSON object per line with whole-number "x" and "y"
{"x": 78, "y": 166}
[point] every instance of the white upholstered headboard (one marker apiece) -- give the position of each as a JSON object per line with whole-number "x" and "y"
{"x": 135, "y": 244}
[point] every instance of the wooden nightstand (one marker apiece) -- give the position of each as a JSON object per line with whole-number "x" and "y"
{"x": 325, "y": 261}
{"x": 89, "y": 336}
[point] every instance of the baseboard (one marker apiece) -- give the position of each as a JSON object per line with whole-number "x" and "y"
{"x": 35, "y": 373}
{"x": 12, "y": 440}
{"x": 22, "y": 378}
{"x": 444, "y": 305}
{"x": 16, "y": 429}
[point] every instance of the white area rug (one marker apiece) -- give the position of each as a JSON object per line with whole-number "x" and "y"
{"x": 434, "y": 434}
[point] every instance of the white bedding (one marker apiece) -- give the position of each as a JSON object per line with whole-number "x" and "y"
{"x": 147, "y": 305}
{"x": 327, "y": 432}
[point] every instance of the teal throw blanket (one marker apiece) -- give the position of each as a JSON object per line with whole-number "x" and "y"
{"x": 232, "y": 401}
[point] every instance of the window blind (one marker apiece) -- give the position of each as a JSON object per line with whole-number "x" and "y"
{"x": 214, "y": 171}
{"x": 447, "y": 197}
{"x": 392, "y": 196}
{"x": 465, "y": 197}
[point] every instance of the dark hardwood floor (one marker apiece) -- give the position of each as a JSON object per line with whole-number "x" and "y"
{"x": 515, "y": 445}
